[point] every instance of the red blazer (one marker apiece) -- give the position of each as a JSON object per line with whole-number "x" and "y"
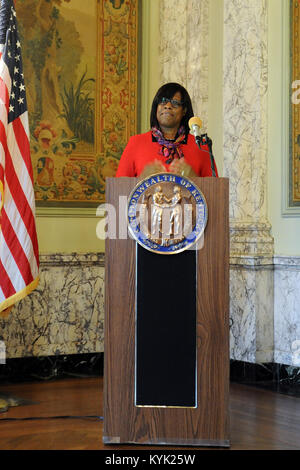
{"x": 141, "y": 151}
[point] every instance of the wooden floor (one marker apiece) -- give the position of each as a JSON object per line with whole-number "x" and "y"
{"x": 67, "y": 415}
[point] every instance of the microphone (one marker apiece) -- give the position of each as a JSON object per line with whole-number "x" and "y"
{"x": 195, "y": 125}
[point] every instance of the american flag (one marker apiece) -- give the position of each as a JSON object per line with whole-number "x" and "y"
{"x": 19, "y": 258}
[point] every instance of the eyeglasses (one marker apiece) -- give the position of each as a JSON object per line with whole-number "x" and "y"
{"x": 174, "y": 103}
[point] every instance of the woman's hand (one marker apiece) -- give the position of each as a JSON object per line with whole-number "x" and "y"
{"x": 152, "y": 168}
{"x": 180, "y": 167}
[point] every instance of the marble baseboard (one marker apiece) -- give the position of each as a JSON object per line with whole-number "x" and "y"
{"x": 281, "y": 378}
{"x": 65, "y": 314}
{"x": 28, "y": 369}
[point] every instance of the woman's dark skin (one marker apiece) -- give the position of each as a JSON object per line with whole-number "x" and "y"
{"x": 169, "y": 119}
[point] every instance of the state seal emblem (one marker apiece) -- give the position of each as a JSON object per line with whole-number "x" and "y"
{"x": 166, "y": 213}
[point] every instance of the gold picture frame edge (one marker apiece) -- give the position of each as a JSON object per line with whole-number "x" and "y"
{"x": 291, "y": 207}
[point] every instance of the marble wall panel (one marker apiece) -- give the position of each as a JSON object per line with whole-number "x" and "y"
{"x": 245, "y": 81}
{"x": 251, "y": 313}
{"x": 287, "y": 310}
{"x": 265, "y": 310}
{"x": 184, "y": 27}
{"x": 173, "y": 40}
{"x": 197, "y": 72}
{"x": 245, "y": 121}
{"x": 184, "y": 30}
{"x": 65, "y": 314}
{"x": 242, "y": 315}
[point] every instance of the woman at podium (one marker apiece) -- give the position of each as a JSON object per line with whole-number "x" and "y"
{"x": 168, "y": 146}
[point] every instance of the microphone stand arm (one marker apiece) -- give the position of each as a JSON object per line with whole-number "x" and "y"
{"x": 202, "y": 140}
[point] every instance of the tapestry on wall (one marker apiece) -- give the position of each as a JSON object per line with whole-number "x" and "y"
{"x": 294, "y": 167}
{"x": 80, "y": 67}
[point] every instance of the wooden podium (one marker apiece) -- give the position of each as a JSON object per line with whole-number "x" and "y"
{"x": 203, "y": 421}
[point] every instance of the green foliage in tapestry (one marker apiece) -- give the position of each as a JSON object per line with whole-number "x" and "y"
{"x": 79, "y": 109}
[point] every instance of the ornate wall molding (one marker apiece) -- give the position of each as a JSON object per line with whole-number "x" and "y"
{"x": 251, "y": 240}
{"x": 72, "y": 259}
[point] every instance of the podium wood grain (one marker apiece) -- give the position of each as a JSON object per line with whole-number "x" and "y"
{"x": 208, "y": 423}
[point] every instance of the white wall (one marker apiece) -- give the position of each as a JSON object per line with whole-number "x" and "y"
{"x": 285, "y": 230}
